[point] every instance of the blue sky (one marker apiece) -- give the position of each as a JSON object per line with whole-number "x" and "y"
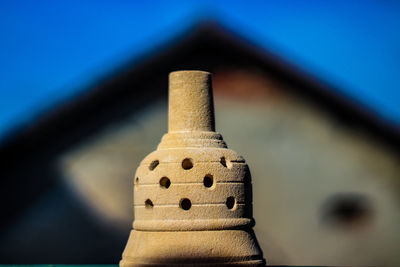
{"x": 51, "y": 50}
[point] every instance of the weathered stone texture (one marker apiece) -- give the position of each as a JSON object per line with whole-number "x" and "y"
{"x": 193, "y": 202}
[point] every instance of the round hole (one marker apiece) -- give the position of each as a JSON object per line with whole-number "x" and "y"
{"x": 208, "y": 180}
{"x": 230, "y": 202}
{"x": 148, "y": 204}
{"x": 136, "y": 183}
{"x": 225, "y": 163}
{"x": 153, "y": 164}
{"x": 185, "y": 204}
{"x": 165, "y": 182}
{"x": 187, "y": 164}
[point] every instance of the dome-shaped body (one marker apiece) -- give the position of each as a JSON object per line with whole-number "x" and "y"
{"x": 214, "y": 181}
{"x": 192, "y": 196}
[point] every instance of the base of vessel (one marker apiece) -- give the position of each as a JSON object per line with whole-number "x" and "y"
{"x": 192, "y": 248}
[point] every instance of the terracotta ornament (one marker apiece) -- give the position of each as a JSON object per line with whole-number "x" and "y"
{"x": 193, "y": 195}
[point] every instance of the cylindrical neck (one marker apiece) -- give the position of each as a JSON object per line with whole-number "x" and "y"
{"x": 191, "y": 106}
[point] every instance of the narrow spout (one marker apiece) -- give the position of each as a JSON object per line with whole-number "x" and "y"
{"x": 191, "y": 106}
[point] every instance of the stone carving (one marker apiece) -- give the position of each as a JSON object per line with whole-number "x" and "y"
{"x": 193, "y": 195}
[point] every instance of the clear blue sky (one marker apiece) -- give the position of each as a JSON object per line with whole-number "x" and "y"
{"x": 50, "y": 50}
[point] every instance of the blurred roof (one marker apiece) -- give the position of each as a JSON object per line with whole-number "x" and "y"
{"x": 52, "y": 51}
{"x": 137, "y": 83}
